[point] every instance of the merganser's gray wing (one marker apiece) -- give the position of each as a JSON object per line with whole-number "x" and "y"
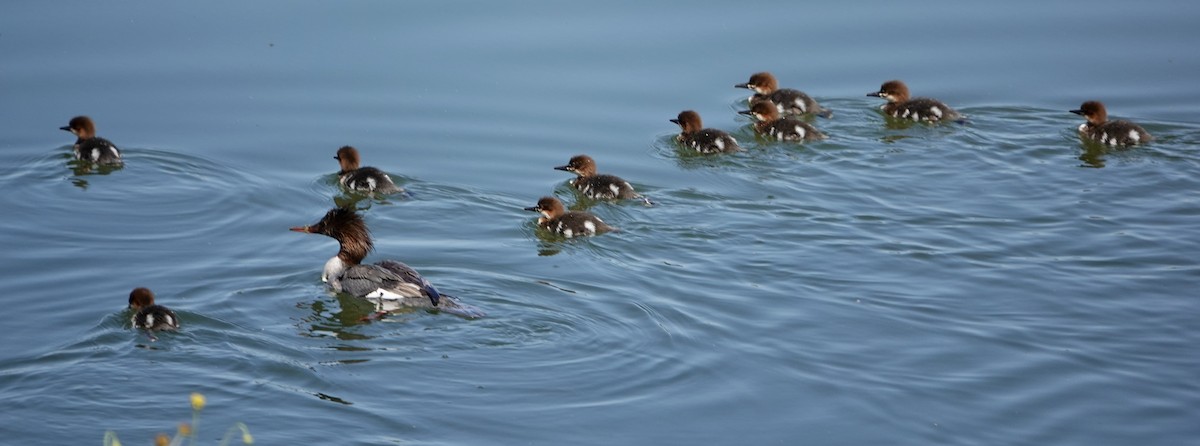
{"x": 412, "y": 279}
{"x": 366, "y": 280}
{"x": 398, "y": 278}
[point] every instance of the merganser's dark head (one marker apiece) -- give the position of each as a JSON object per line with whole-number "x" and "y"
{"x": 1094, "y": 111}
{"x": 140, "y": 298}
{"x": 581, "y": 165}
{"x": 549, "y": 207}
{"x": 689, "y": 121}
{"x": 762, "y": 112}
{"x": 892, "y": 91}
{"x": 761, "y": 83}
{"x": 345, "y": 226}
{"x": 348, "y": 159}
{"x": 81, "y": 126}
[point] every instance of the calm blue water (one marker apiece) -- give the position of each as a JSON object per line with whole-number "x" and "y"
{"x": 993, "y": 283}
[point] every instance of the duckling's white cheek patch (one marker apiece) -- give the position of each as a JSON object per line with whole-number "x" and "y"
{"x": 800, "y": 131}
{"x": 936, "y": 112}
{"x": 149, "y": 320}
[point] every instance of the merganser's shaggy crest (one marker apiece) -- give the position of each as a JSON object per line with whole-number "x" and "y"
{"x": 389, "y": 284}
{"x": 364, "y": 179}
{"x": 770, "y": 125}
{"x": 555, "y": 218}
{"x": 1114, "y": 133}
{"x": 598, "y": 186}
{"x": 899, "y": 105}
{"x": 786, "y": 100}
{"x": 694, "y": 136}
{"x": 88, "y": 146}
{"x": 147, "y": 315}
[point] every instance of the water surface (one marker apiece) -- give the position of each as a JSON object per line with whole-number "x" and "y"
{"x": 998, "y": 282}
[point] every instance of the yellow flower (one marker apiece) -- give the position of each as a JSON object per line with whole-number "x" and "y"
{"x": 162, "y": 440}
{"x": 197, "y": 401}
{"x": 185, "y": 429}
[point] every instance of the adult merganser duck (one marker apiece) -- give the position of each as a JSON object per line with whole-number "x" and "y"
{"x": 1114, "y": 133}
{"x": 899, "y": 105}
{"x": 598, "y": 186}
{"x": 769, "y": 124}
{"x": 555, "y": 218}
{"x": 694, "y": 136}
{"x": 364, "y": 179}
{"x": 88, "y": 146}
{"x": 389, "y": 284}
{"x": 786, "y": 100}
{"x": 148, "y": 316}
